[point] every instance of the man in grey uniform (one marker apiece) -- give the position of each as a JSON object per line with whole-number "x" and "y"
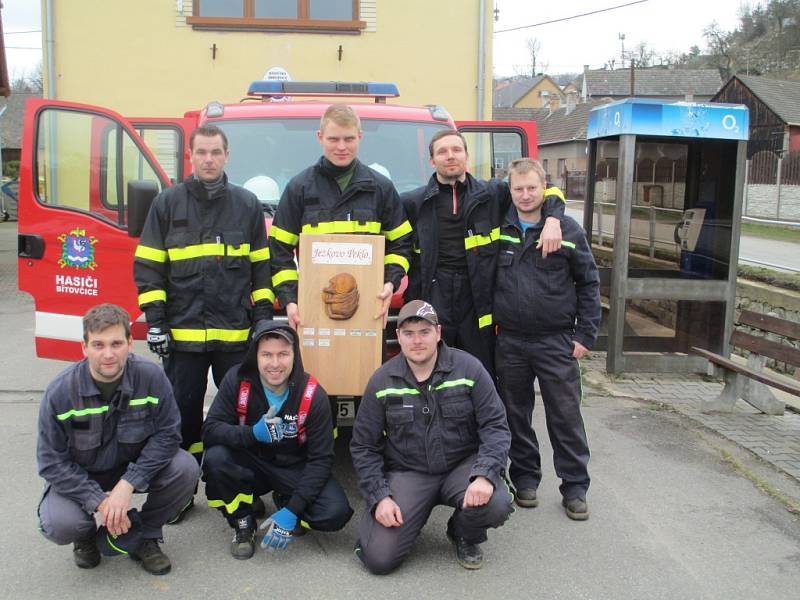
{"x": 109, "y": 427}
{"x": 430, "y": 430}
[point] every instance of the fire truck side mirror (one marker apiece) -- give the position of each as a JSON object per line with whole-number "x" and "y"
{"x": 140, "y": 196}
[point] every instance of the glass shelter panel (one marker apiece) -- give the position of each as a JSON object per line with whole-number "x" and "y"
{"x": 662, "y": 325}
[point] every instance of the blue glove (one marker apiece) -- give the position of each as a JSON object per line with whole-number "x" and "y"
{"x": 269, "y": 428}
{"x": 279, "y": 529}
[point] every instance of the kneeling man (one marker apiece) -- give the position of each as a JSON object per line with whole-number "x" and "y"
{"x": 430, "y": 430}
{"x": 108, "y": 427}
{"x": 270, "y": 429}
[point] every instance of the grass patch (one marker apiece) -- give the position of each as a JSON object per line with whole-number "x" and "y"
{"x": 771, "y": 232}
{"x": 791, "y": 505}
{"x": 779, "y": 279}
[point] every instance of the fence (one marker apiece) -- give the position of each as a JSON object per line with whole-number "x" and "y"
{"x": 772, "y": 191}
{"x": 773, "y": 186}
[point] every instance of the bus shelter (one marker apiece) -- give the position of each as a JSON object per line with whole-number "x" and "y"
{"x": 663, "y": 210}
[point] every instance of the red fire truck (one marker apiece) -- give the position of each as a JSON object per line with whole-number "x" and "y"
{"x": 88, "y": 175}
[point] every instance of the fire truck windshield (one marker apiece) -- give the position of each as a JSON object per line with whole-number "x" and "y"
{"x": 266, "y": 153}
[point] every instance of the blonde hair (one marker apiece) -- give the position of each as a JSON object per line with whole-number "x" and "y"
{"x": 341, "y": 114}
{"x": 521, "y": 166}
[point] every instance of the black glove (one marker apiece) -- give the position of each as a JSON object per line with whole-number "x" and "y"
{"x": 159, "y": 341}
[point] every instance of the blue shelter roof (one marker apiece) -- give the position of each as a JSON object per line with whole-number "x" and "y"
{"x": 641, "y": 116}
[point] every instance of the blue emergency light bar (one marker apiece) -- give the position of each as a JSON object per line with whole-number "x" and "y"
{"x": 642, "y": 116}
{"x": 270, "y": 89}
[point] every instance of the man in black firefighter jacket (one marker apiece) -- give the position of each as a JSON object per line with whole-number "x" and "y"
{"x": 548, "y": 311}
{"x": 338, "y": 194}
{"x": 430, "y": 430}
{"x": 456, "y": 223}
{"x": 270, "y": 429}
{"x": 203, "y": 276}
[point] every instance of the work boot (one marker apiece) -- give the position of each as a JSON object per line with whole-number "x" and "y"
{"x": 469, "y": 556}
{"x": 280, "y": 500}
{"x": 85, "y": 553}
{"x": 576, "y": 508}
{"x": 182, "y": 512}
{"x": 109, "y": 544}
{"x": 153, "y": 560}
{"x": 526, "y": 498}
{"x": 243, "y": 545}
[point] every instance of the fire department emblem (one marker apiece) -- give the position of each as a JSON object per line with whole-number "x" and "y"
{"x": 77, "y": 250}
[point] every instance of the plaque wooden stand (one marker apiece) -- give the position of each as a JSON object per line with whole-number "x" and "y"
{"x": 341, "y": 354}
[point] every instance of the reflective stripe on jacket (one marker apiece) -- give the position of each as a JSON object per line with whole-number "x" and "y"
{"x": 313, "y": 203}
{"x": 402, "y": 425}
{"x": 483, "y": 206}
{"x": 539, "y": 296}
{"x": 79, "y": 433}
{"x": 202, "y": 266}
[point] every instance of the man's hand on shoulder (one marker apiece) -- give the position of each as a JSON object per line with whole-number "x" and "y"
{"x": 550, "y": 240}
{"x": 114, "y": 509}
{"x": 388, "y": 514}
{"x": 478, "y": 493}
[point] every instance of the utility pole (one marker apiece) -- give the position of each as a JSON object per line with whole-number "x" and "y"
{"x": 621, "y": 37}
{"x": 633, "y": 65}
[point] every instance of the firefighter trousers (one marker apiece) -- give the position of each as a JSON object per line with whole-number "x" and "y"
{"x": 188, "y": 374}
{"x": 383, "y": 549}
{"x": 63, "y": 520}
{"x": 451, "y": 296}
{"x": 549, "y": 360}
{"x": 235, "y": 477}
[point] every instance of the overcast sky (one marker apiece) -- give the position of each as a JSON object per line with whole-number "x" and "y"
{"x": 565, "y": 46}
{"x": 594, "y": 39}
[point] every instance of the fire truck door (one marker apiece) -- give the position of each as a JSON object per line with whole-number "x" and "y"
{"x": 492, "y": 145}
{"x": 74, "y": 250}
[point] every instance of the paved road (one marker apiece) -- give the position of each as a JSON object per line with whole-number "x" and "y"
{"x": 751, "y": 248}
{"x": 670, "y": 519}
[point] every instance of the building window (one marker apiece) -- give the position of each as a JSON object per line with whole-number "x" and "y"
{"x": 297, "y": 15}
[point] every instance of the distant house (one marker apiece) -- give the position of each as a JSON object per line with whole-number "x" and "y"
{"x": 11, "y": 124}
{"x": 658, "y": 83}
{"x": 774, "y": 111}
{"x": 527, "y": 92}
{"x": 561, "y": 140}
{"x": 773, "y": 151}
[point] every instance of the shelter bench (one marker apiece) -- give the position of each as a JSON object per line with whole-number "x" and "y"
{"x": 751, "y": 383}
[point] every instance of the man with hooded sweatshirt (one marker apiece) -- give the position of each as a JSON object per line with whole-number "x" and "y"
{"x": 270, "y": 429}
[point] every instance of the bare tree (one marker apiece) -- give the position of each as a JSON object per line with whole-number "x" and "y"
{"x": 719, "y": 47}
{"x": 534, "y": 46}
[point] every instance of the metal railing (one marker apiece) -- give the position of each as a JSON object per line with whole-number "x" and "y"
{"x": 652, "y": 240}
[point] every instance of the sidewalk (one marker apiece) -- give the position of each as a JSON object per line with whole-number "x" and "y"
{"x": 775, "y": 439}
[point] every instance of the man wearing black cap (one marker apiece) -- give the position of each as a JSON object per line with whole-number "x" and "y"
{"x": 430, "y": 430}
{"x": 269, "y": 429}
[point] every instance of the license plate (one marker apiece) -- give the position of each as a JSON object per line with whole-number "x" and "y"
{"x": 345, "y": 412}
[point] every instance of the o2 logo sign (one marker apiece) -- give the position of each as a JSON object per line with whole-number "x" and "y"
{"x": 729, "y": 123}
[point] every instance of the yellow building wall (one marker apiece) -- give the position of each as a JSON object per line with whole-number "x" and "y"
{"x": 533, "y": 99}
{"x": 142, "y": 59}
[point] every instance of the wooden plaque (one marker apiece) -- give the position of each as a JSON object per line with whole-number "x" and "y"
{"x": 341, "y": 351}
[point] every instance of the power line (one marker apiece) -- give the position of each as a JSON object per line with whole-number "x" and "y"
{"x": 23, "y": 47}
{"x": 28, "y": 31}
{"x": 594, "y": 12}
